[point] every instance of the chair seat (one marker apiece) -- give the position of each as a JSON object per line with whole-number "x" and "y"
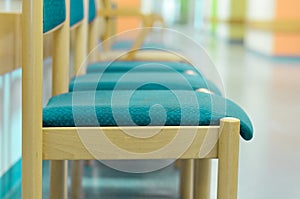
{"x": 145, "y": 66}
{"x": 53, "y": 14}
{"x": 142, "y": 108}
{"x": 127, "y": 44}
{"x": 142, "y": 81}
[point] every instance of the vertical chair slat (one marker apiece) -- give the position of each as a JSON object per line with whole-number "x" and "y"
{"x": 32, "y": 60}
{"x": 80, "y": 46}
{"x": 93, "y": 34}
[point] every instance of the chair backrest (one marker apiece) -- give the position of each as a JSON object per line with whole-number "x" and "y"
{"x": 34, "y": 13}
{"x": 80, "y": 36}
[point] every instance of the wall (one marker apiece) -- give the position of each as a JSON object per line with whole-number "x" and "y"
{"x": 287, "y": 44}
{"x": 274, "y": 27}
{"x": 10, "y": 130}
{"x": 127, "y": 23}
{"x": 255, "y": 39}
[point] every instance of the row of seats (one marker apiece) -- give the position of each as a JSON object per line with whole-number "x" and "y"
{"x": 142, "y": 76}
{"x": 113, "y": 93}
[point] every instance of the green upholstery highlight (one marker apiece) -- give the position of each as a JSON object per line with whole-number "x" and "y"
{"x": 92, "y": 10}
{"x": 54, "y": 14}
{"x": 76, "y": 11}
{"x": 143, "y": 66}
{"x": 156, "y": 108}
{"x": 141, "y": 81}
{"x": 126, "y": 44}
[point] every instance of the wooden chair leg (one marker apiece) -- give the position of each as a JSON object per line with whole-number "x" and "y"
{"x": 178, "y": 164}
{"x": 202, "y": 170}
{"x": 186, "y": 178}
{"x": 228, "y": 154}
{"x": 59, "y": 179}
{"x": 76, "y": 177}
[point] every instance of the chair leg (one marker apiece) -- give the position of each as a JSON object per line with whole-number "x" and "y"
{"x": 178, "y": 164}
{"x": 76, "y": 177}
{"x": 228, "y": 154}
{"x": 186, "y": 178}
{"x": 202, "y": 171}
{"x": 59, "y": 179}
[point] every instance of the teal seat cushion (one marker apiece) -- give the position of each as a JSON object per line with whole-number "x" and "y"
{"x": 92, "y": 10}
{"x": 141, "y": 81}
{"x": 127, "y": 44}
{"x": 54, "y": 14}
{"x": 144, "y": 66}
{"x": 76, "y": 11}
{"x": 142, "y": 108}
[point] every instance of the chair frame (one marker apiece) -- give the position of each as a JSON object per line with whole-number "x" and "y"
{"x": 60, "y": 144}
{"x": 135, "y": 52}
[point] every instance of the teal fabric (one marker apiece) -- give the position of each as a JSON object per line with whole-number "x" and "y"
{"x": 141, "y": 81}
{"x": 144, "y": 66}
{"x": 142, "y": 108}
{"x": 76, "y": 11}
{"x": 92, "y": 10}
{"x": 126, "y": 44}
{"x": 54, "y": 14}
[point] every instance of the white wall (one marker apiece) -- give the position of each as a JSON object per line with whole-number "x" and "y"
{"x": 259, "y": 40}
{"x": 10, "y": 119}
{"x": 223, "y": 13}
{"x": 10, "y": 114}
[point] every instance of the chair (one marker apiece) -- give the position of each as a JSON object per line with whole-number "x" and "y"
{"x": 104, "y": 10}
{"x": 62, "y": 142}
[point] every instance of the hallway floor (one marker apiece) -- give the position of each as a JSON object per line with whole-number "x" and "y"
{"x": 269, "y": 89}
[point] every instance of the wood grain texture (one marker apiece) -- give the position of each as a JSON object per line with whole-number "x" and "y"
{"x": 59, "y": 179}
{"x": 228, "y": 154}
{"x": 76, "y": 179}
{"x": 32, "y": 62}
{"x": 187, "y": 179}
{"x": 109, "y": 143}
{"x": 202, "y": 172}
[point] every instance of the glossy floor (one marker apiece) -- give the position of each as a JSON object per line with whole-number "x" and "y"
{"x": 269, "y": 89}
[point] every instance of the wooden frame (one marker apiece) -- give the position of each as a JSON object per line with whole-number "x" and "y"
{"x": 134, "y": 52}
{"x": 40, "y": 143}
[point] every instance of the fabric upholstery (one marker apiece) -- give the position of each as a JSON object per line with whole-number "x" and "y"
{"x": 126, "y": 44}
{"x": 144, "y": 66}
{"x": 92, "y": 10}
{"x": 142, "y": 108}
{"x": 141, "y": 81}
{"x": 54, "y": 14}
{"x": 76, "y": 11}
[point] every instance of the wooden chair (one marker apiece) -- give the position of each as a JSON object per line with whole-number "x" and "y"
{"x": 63, "y": 143}
{"x": 135, "y": 52}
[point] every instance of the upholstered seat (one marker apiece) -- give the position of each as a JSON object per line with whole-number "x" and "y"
{"x": 125, "y": 108}
{"x": 142, "y": 81}
{"x": 153, "y": 66}
{"x": 54, "y": 14}
{"x": 127, "y": 44}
